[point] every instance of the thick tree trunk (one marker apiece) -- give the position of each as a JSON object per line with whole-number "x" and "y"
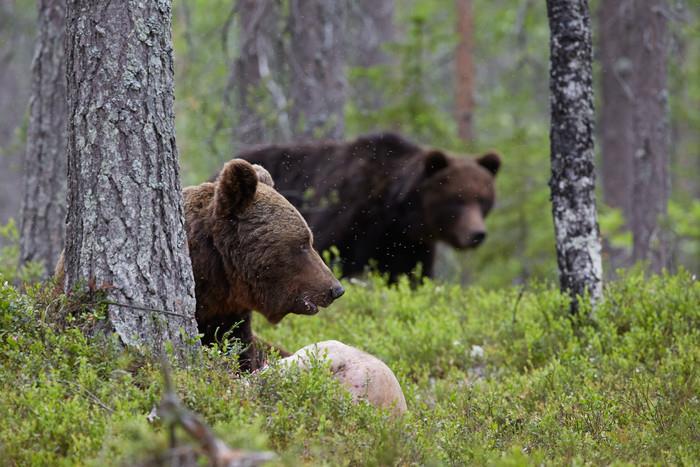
{"x": 650, "y": 194}
{"x": 317, "y": 77}
{"x": 257, "y": 73}
{"x": 125, "y": 233}
{"x": 573, "y": 179}
{"x": 464, "y": 67}
{"x": 44, "y": 197}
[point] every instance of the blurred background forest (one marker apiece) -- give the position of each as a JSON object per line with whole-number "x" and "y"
{"x": 397, "y": 62}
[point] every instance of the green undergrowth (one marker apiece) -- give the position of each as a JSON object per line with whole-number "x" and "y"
{"x": 491, "y": 378}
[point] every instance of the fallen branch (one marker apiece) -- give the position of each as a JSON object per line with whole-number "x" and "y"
{"x": 219, "y": 454}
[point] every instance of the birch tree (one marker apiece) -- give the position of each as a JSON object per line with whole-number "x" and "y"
{"x": 44, "y": 180}
{"x": 572, "y": 183}
{"x": 125, "y": 232}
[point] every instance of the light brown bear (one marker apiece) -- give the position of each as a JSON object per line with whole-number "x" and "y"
{"x": 251, "y": 250}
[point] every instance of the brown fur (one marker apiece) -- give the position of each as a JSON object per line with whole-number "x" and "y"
{"x": 251, "y": 249}
{"x": 384, "y": 198}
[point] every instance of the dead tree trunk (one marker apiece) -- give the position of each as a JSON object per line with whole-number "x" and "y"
{"x": 651, "y": 186}
{"x": 125, "y": 233}
{"x": 571, "y": 137}
{"x": 44, "y": 197}
{"x": 464, "y": 67}
{"x": 257, "y": 73}
{"x": 317, "y": 76}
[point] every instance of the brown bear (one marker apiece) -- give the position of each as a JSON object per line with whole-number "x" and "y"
{"x": 251, "y": 250}
{"x": 384, "y": 199}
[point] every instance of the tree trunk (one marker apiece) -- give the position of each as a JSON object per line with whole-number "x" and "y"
{"x": 125, "y": 233}
{"x": 317, "y": 77}
{"x": 257, "y": 73}
{"x": 44, "y": 201}
{"x": 616, "y": 117}
{"x": 571, "y": 137}
{"x": 370, "y": 27}
{"x": 649, "y": 31}
{"x": 464, "y": 66}
{"x": 634, "y": 121}
{"x": 17, "y": 26}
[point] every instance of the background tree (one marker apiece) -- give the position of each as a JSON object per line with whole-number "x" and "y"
{"x": 258, "y": 75}
{"x": 316, "y": 57}
{"x": 571, "y": 138}
{"x": 125, "y": 232}
{"x": 17, "y": 28}
{"x": 44, "y": 180}
{"x": 635, "y": 122}
{"x": 651, "y": 143}
{"x": 370, "y": 31}
{"x": 464, "y": 66}
{"x": 616, "y": 115}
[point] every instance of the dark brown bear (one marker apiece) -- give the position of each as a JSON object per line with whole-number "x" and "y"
{"x": 251, "y": 250}
{"x": 382, "y": 198}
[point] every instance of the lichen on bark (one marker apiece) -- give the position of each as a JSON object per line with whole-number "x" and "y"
{"x": 125, "y": 230}
{"x": 573, "y": 179}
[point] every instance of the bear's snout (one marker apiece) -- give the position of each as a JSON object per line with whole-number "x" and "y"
{"x": 336, "y": 291}
{"x": 477, "y": 238}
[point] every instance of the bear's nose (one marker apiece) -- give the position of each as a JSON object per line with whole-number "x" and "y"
{"x": 337, "y": 291}
{"x": 478, "y": 238}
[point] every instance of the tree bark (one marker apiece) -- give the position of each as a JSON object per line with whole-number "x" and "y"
{"x": 17, "y": 24}
{"x": 572, "y": 183}
{"x": 125, "y": 233}
{"x": 317, "y": 76}
{"x": 649, "y": 30}
{"x": 44, "y": 196}
{"x": 370, "y": 26}
{"x": 464, "y": 67}
{"x": 635, "y": 130}
{"x": 616, "y": 118}
{"x": 258, "y": 72}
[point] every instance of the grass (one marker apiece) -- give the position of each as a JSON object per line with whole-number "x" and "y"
{"x": 619, "y": 387}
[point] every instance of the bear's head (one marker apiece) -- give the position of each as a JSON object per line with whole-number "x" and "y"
{"x": 456, "y": 195}
{"x": 267, "y": 247}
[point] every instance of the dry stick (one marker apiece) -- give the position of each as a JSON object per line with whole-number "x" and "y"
{"x": 92, "y": 396}
{"x": 220, "y": 455}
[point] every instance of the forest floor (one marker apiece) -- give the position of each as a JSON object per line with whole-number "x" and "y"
{"x": 503, "y": 377}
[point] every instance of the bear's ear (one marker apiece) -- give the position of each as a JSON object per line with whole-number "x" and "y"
{"x": 235, "y": 188}
{"x": 263, "y": 175}
{"x": 490, "y": 161}
{"x": 435, "y": 161}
